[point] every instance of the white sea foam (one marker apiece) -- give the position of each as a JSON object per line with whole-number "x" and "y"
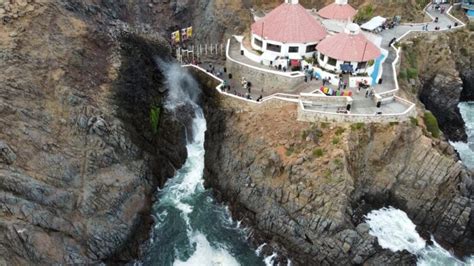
{"x": 395, "y": 231}
{"x": 206, "y": 255}
{"x": 270, "y": 260}
{"x": 466, "y": 149}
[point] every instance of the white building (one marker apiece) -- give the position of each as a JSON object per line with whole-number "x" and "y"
{"x": 287, "y": 31}
{"x": 348, "y": 51}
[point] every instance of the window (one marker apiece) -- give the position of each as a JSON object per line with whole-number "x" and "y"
{"x": 361, "y": 65}
{"x": 311, "y": 48}
{"x": 321, "y": 57}
{"x": 258, "y": 42}
{"x": 332, "y": 61}
{"x": 273, "y": 47}
{"x": 293, "y": 49}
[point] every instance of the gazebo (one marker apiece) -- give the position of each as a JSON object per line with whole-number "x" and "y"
{"x": 349, "y": 51}
{"x": 288, "y": 31}
{"x": 339, "y": 10}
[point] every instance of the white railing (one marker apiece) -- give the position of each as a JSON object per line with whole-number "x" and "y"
{"x": 295, "y": 74}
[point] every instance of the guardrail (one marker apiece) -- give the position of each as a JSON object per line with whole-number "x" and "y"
{"x": 294, "y": 74}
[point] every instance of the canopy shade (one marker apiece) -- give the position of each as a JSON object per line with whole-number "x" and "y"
{"x": 373, "y": 23}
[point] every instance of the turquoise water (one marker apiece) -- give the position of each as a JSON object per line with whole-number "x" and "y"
{"x": 375, "y": 74}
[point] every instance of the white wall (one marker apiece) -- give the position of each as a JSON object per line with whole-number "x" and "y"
{"x": 324, "y": 64}
{"x": 268, "y": 55}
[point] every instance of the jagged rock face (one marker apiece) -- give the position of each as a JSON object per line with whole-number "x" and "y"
{"x": 445, "y": 64}
{"x": 310, "y": 207}
{"x": 403, "y": 168}
{"x": 441, "y": 96}
{"x": 78, "y": 160}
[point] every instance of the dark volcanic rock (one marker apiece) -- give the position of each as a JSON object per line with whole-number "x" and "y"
{"x": 441, "y": 96}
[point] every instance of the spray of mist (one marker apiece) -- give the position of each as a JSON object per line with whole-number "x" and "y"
{"x": 182, "y": 87}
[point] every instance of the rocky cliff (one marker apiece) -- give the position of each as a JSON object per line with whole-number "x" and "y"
{"x": 439, "y": 70}
{"x": 305, "y": 187}
{"x": 79, "y": 161}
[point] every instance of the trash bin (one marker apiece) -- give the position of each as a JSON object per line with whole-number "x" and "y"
{"x": 379, "y": 104}
{"x": 225, "y": 69}
{"x": 230, "y": 75}
{"x": 380, "y": 81}
{"x": 241, "y": 52}
{"x": 348, "y": 107}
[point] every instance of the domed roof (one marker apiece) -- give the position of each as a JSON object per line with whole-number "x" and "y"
{"x": 350, "y": 45}
{"x": 339, "y": 10}
{"x": 289, "y": 23}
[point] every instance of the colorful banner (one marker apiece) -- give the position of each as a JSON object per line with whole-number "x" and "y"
{"x": 189, "y": 32}
{"x": 175, "y": 36}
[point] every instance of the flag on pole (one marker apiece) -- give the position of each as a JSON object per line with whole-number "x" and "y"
{"x": 189, "y": 32}
{"x": 175, "y": 36}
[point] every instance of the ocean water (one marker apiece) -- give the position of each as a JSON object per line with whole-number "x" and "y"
{"x": 191, "y": 228}
{"x": 395, "y": 231}
{"x": 466, "y": 150}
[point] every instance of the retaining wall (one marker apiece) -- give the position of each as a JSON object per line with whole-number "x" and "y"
{"x": 270, "y": 82}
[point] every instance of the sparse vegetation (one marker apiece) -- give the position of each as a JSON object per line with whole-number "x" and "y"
{"x": 289, "y": 151}
{"x": 431, "y": 124}
{"x": 335, "y": 141}
{"x": 155, "y": 112}
{"x": 364, "y": 13}
{"x": 412, "y": 73}
{"x": 414, "y": 121}
{"x": 393, "y": 123}
{"x": 357, "y": 126}
{"x": 318, "y": 153}
{"x": 340, "y": 131}
{"x": 324, "y": 125}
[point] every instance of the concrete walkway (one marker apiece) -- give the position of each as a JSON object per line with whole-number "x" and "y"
{"x": 444, "y": 20}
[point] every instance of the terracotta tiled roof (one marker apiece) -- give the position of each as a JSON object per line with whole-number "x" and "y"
{"x": 289, "y": 23}
{"x": 349, "y": 47}
{"x": 337, "y": 11}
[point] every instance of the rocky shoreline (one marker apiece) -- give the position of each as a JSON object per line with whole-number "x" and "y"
{"x": 309, "y": 208}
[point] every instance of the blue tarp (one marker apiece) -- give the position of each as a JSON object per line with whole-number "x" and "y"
{"x": 346, "y": 67}
{"x": 470, "y": 13}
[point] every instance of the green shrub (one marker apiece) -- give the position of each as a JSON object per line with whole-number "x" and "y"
{"x": 431, "y": 124}
{"x": 414, "y": 121}
{"x": 357, "y": 126}
{"x": 335, "y": 140}
{"x": 364, "y": 13}
{"x": 324, "y": 125}
{"x": 340, "y": 131}
{"x": 402, "y": 74}
{"x": 289, "y": 151}
{"x": 412, "y": 73}
{"x": 393, "y": 123}
{"x": 154, "y": 118}
{"x": 318, "y": 153}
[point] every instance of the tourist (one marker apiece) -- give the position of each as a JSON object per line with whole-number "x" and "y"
{"x": 366, "y": 93}
{"x": 436, "y": 20}
{"x": 259, "y": 98}
{"x": 305, "y": 78}
{"x": 284, "y": 69}
{"x": 324, "y": 81}
{"x": 344, "y": 84}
